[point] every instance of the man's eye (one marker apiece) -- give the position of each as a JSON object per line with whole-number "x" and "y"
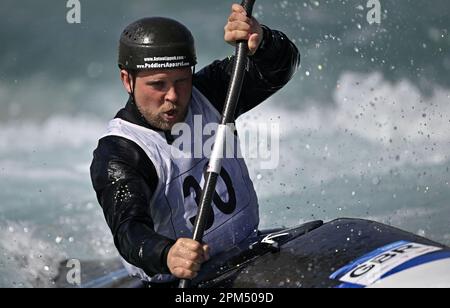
{"x": 157, "y": 85}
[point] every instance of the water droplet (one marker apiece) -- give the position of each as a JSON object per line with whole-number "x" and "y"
{"x": 94, "y": 70}
{"x": 375, "y": 181}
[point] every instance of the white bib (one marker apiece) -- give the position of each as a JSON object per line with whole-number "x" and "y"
{"x": 174, "y": 204}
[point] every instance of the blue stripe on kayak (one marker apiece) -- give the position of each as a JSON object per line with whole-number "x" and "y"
{"x": 434, "y": 256}
{"x": 106, "y": 280}
{"x": 348, "y": 268}
{"x": 347, "y": 285}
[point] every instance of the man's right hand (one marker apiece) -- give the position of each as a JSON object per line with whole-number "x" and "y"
{"x": 185, "y": 258}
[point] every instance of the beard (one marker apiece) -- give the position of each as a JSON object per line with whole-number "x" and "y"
{"x": 159, "y": 118}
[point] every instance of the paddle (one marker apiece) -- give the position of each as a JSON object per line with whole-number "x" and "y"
{"x": 215, "y": 162}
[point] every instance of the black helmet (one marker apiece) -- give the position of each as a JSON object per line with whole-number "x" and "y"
{"x": 156, "y": 43}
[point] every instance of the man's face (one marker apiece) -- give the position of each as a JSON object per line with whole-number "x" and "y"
{"x": 162, "y": 96}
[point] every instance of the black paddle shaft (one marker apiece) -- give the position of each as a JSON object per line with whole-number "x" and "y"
{"x": 229, "y": 110}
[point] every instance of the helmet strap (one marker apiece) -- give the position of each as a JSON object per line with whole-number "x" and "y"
{"x": 132, "y": 80}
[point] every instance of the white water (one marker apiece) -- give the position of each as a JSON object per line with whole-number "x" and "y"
{"x": 384, "y": 161}
{"x": 353, "y": 143}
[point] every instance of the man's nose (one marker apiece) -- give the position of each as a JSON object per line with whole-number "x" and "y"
{"x": 172, "y": 94}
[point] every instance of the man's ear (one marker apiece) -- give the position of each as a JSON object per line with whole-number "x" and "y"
{"x": 126, "y": 81}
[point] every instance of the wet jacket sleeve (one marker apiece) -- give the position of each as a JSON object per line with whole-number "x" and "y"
{"x": 124, "y": 179}
{"x": 268, "y": 70}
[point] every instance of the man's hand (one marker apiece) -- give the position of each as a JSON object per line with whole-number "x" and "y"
{"x": 240, "y": 27}
{"x": 185, "y": 257}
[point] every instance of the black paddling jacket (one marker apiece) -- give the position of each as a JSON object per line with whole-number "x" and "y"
{"x": 269, "y": 70}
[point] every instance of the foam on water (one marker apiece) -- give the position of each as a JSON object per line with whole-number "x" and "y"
{"x": 353, "y": 143}
{"x": 369, "y": 154}
{"x": 381, "y": 151}
{"x": 48, "y": 212}
{"x": 26, "y": 260}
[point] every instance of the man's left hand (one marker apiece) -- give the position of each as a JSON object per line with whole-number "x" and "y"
{"x": 241, "y": 27}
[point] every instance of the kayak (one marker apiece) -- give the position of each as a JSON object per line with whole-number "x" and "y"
{"x": 344, "y": 253}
